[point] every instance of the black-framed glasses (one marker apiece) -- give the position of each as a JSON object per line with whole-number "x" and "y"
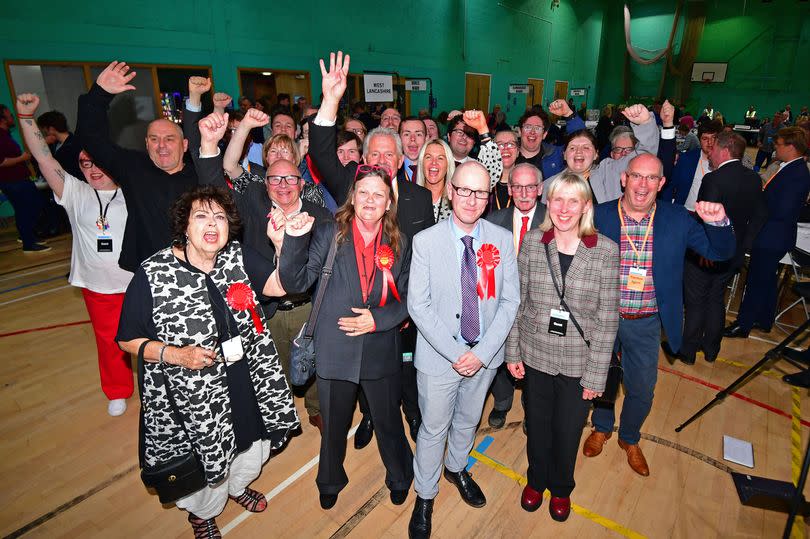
{"x": 509, "y": 145}
{"x": 86, "y": 163}
{"x": 289, "y": 180}
{"x": 462, "y": 133}
{"x": 525, "y": 188}
{"x": 621, "y": 150}
{"x": 635, "y": 176}
{"x": 466, "y": 191}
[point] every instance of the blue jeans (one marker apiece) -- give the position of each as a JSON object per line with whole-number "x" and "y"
{"x": 638, "y": 341}
{"x": 27, "y": 203}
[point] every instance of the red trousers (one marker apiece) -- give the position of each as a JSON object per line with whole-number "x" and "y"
{"x": 114, "y": 364}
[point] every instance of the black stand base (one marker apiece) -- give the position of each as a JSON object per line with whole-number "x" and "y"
{"x": 769, "y": 494}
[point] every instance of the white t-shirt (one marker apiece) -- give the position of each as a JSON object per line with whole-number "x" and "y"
{"x": 98, "y": 272}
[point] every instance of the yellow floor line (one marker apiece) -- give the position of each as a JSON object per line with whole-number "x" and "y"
{"x": 739, "y": 365}
{"x": 796, "y": 454}
{"x": 590, "y": 515}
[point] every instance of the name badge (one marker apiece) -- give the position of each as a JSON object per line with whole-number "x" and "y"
{"x": 407, "y": 357}
{"x": 558, "y": 322}
{"x": 636, "y": 278}
{"x": 232, "y": 350}
{"x": 104, "y": 244}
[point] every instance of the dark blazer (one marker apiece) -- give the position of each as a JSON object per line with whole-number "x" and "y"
{"x": 785, "y": 196}
{"x": 674, "y": 231}
{"x": 503, "y": 217}
{"x": 414, "y": 203}
{"x": 371, "y": 356}
{"x": 677, "y": 187}
{"x": 739, "y": 189}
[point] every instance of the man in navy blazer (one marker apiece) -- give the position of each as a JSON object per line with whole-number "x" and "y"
{"x": 785, "y": 192}
{"x": 687, "y": 175}
{"x": 525, "y": 187}
{"x": 653, "y": 238}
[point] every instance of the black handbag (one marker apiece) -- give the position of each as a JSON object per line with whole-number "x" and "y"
{"x": 615, "y": 372}
{"x": 302, "y": 349}
{"x": 179, "y": 476}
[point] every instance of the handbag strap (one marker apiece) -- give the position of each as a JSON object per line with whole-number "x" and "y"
{"x": 326, "y": 274}
{"x": 562, "y": 299}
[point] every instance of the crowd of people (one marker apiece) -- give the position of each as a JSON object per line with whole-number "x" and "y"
{"x": 476, "y": 260}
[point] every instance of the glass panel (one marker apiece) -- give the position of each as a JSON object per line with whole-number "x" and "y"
{"x": 131, "y": 112}
{"x": 58, "y": 87}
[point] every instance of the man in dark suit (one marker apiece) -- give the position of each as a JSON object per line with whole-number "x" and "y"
{"x": 739, "y": 190}
{"x": 381, "y": 146}
{"x": 785, "y": 192}
{"x": 684, "y": 185}
{"x": 525, "y": 187}
{"x": 653, "y": 238}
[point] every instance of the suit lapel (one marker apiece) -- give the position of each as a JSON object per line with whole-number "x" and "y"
{"x": 451, "y": 252}
{"x": 539, "y": 215}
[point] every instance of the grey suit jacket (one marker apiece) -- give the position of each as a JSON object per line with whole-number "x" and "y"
{"x": 434, "y": 298}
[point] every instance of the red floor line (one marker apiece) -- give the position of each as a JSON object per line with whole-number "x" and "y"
{"x": 44, "y": 328}
{"x": 737, "y": 395}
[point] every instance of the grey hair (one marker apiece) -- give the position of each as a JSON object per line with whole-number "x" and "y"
{"x": 526, "y": 166}
{"x": 622, "y": 131}
{"x": 382, "y": 131}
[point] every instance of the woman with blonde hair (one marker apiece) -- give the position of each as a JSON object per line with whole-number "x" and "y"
{"x": 436, "y": 168}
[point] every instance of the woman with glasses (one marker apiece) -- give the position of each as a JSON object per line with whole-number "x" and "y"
{"x": 605, "y": 177}
{"x": 191, "y": 313}
{"x": 569, "y": 276}
{"x": 357, "y": 335}
{"x": 437, "y": 167}
{"x": 507, "y": 142}
{"x": 98, "y": 214}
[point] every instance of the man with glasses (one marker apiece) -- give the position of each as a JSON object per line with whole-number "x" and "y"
{"x": 461, "y": 136}
{"x": 622, "y": 141}
{"x": 690, "y": 168}
{"x": 390, "y": 119}
{"x": 533, "y": 125}
{"x": 357, "y": 127}
{"x": 282, "y": 189}
{"x": 527, "y": 213}
{"x": 653, "y": 238}
{"x": 463, "y": 295}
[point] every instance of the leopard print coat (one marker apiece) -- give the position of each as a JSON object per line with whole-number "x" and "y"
{"x": 183, "y": 315}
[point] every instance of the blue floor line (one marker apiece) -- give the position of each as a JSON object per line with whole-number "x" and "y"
{"x": 482, "y": 448}
{"x": 31, "y": 284}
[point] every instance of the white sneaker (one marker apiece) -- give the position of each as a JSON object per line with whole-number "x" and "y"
{"x": 117, "y": 407}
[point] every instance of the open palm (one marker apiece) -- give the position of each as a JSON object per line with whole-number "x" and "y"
{"x": 333, "y": 83}
{"x": 116, "y": 78}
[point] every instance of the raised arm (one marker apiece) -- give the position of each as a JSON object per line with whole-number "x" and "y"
{"x": 221, "y": 102}
{"x": 490, "y": 155}
{"x": 559, "y": 107}
{"x": 197, "y": 86}
{"x": 253, "y": 118}
{"x": 208, "y": 161}
{"x": 51, "y": 169}
{"x": 644, "y": 127}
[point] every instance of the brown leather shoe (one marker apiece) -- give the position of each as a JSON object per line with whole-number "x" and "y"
{"x": 595, "y": 442}
{"x": 635, "y": 458}
{"x": 316, "y": 421}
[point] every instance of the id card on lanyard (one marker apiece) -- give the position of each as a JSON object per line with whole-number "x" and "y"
{"x": 104, "y": 241}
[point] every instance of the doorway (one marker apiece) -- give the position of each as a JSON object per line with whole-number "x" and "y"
{"x": 535, "y": 97}
{"x": 267, "y": 84}
{"x": 476, "y": 91}
{"x": 560, "y": 89}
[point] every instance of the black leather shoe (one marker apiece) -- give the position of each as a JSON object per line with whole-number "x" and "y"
{"x": 673, "y": 356}
{"x": 800, "y": 379}
{"x": 413, "y": 426}
{"x": 734, "y": 331}
{"x": 795, "y": 355}
{"x": 689, "y": 359}
{"x": 710, "y": 358}
{"x": 497, "y": 418}
{"x": 467, "y": 487}
{"x": 364, "y": 432}
{"x": 398, "y": 497}
{"x": 761, "y": 328}
{"x": 420, "y": 524}
{"x": 328, "y": 501}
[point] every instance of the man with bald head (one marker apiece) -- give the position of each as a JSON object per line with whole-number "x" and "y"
{"x": 150, "y": 181}
{"x": 653, "y": 236}
{"x": 463, "y": 296}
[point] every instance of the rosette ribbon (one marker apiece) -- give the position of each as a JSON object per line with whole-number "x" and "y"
{"x": 488, "y": 257}
{"x": 240, "y": 298}
{"x": 384, "y": 259}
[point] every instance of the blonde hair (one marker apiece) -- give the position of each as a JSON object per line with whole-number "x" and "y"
{"x": 583, "y": 189}
{"x": 281, "y": 140}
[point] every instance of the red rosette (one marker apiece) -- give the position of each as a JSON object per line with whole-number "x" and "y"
{"x": 240, "y": 297}
{"x": 488, "y": 257}
{"x": 384, "y": 259}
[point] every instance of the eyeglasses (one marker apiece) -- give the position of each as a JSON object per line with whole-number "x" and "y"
{"x": 510, "y": 145}
{"x": 289, "y": 180}
{"x": 524, "y": 188}
{"x": 535, "y": 128}
{"x": 621, "y": 150}
{"x": 359, "y": 131}
{"x": 371, "y": 169}
{"x": 462, "y": 133}
{"x": 466, "y": 191}
{"x": 636, "y": 177}
{"x": 275, "y": 152}
{"x": 86, "y": 163}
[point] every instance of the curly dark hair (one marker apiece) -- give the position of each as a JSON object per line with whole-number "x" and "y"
{"x": 206, "y": 195}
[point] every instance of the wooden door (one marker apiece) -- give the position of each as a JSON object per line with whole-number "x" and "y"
{"x": 535, "y": 97}
{"x": 476, "y": 93}
{"x": 293, "y": 83}
{"x": 560, "y": 89}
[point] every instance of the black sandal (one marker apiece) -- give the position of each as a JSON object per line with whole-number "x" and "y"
{"x": 250, "y": 500}
{"x": 204, "y": 529}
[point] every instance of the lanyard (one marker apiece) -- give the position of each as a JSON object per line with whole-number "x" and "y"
{"x": 102, "y": 222}
{"x": 770, "y": 179}
{"x": 498, "y": 200}
{"x": 646, "y": 233}
{"x": 554, "y": 279}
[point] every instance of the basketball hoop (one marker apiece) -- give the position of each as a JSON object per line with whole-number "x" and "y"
{"x": 707, "y": 81}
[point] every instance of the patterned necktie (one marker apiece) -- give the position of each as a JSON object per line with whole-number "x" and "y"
{"x": 413, "y": 172}
{"x": 469, "y": 296}
{"x": 523, "y": 229}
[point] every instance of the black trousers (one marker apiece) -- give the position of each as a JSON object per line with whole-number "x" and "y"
{"x": 410, "y": 396}
{"x": 555, "y": 417}
{"x": 337, "y": 398}
{"x": 704, "y": 290}
{"x": 503, "y": 389}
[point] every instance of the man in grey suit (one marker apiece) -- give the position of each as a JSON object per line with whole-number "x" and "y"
{"x": 525, "y": 187}
{"x": 463, "y": 296}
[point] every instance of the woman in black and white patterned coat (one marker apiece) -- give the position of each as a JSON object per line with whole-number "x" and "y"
{"x": 196, "y": 304}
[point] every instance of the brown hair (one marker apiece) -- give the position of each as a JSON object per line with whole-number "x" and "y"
{"x": 793, "y": 136}
{"x": 207, "y": 195}
{"x": 731, "y": 141}
{"x": 345, "y": 214}
{"x": 281, "y": 140}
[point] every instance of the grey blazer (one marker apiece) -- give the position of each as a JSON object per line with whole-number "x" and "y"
{"x": 592, "y": 294}
{"x": 434, "y": 298}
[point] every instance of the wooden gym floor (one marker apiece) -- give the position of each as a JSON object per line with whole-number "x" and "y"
{"x": 70, "y": 470}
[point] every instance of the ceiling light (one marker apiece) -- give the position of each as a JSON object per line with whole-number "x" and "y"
{"x": 267, "y": 73}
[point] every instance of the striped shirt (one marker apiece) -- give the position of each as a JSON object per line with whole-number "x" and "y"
{"x": 633, "y": 302}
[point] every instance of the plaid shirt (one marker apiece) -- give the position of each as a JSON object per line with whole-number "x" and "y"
{"x": 632, "y": 302}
